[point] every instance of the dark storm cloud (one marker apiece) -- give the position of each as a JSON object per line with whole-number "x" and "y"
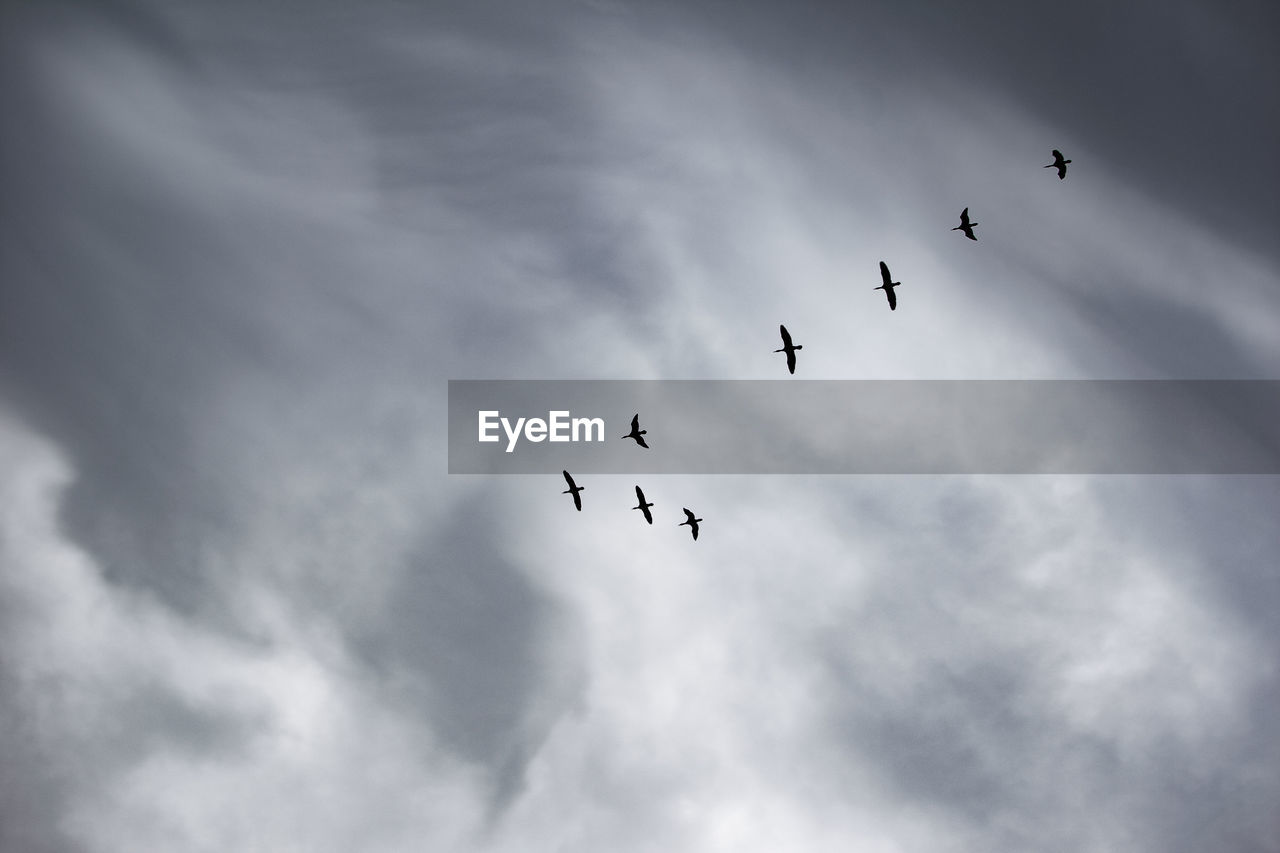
{"x": 1175, "y": 102}
{"x": 1179, "y": 96}
{"x": 136, "y": 282}
{"x": 148, "y": 281}
{"x": 116, "y": 321}
{"x": 245, "y": 245}
{"x": 481, "y": 685}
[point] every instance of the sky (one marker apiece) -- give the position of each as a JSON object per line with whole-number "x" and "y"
{"x": 245, "y": 246}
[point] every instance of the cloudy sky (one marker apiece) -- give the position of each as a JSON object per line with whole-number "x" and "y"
{"x": 246, "y": 244}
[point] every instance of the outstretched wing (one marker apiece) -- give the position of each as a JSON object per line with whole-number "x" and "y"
{"x": 635, "y": 422}
{"x": 893, "y": 298}
{"x": 786, "y": 337}
{"x": 1057, "y": 156}
{"x": 791, "y": 361}
{"x": 640, "y": 441}
{"x": 569, "y": 480}
{"x": 884, "y": 274}
{"x": 964, "y": 217}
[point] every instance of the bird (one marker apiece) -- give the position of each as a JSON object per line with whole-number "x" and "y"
{"x": 636, "y": 432}
{"x": 642, "y": 506}
{"x": 573, "y": 489}
{"x": 1058, "y": 163}
{"x": 965, "y": 225}
{"x": 790, "y": 350}
{"x": 691, "y": 521}
{"x": 888, "y": 287}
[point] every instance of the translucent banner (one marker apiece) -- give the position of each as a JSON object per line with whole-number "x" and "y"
{"x": 865, "y": 427}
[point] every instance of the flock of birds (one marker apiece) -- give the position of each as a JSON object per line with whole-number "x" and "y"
{"x": 789, "y": 348}
{"x": 643, "y": 505}
{"x": 887, "y": 284}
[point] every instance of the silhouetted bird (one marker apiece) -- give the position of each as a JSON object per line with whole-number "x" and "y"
{"x": 965, "y": 225}
{"x": 636, "y": 432}
{"x": 573, "y": 489}
{"x": 790, "y": 350}
{"x": 1058, "y": 163}
{"x": 888, "y": 287}
{"x": 642, "y": 506}
{"x": 691, "y": 521}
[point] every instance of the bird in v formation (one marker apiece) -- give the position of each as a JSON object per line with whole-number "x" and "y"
{"x": 887, "y": 285}
{"x": 642, "y": 504}
{"x": 789, "y": 348}
{"x": 637, "y": 433}
{"x": 575, "y": 490}
{"x": 691, "y": 521}
{"x": 1058, "y": 163}
{"x": 965, "y": 225}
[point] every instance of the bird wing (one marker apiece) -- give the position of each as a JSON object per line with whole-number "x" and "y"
{"x": 689, "y": 516}
{"x": 635, "y": 422}
{"x": 893, "y": 298}
{"x": 1057, "y": 155}
{"x": 884, "y": 272}
{"x": 640, "y": 496}
{"x": 569, "y": 480}
{"x": 791, "y": 361}
{"x": 695, "y": 531}
{"x": 786, "y": 337}
{"x": 640, "y": 441}
{"x": 577, "y": 501}
{"x": 964, "y": 216}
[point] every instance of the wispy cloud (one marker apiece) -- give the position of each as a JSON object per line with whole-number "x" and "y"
{"x": 245, "y": 608}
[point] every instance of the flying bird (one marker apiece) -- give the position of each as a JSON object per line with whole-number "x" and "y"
{"x": 691, "y": 521}
{"x": 573, "y": 489}
{"x": 636, "y": 432}
{"x": 642, "y": 506}
{"x": 1058, "y": 163}
{"x": 965, "y": 225}
{"x": 888, "y": 287}
{"x": 790, "y": 350}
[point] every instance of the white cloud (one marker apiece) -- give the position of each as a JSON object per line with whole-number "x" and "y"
{"x": 298, "y": 749}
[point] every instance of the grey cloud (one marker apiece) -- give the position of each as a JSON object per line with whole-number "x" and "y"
{"x": 134, "y": 328}
{"x": 481, "y": 640}
{"x": 33, "y": 786}
{"x": 960, "y": 713}
{"x": 246, "y": 244}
